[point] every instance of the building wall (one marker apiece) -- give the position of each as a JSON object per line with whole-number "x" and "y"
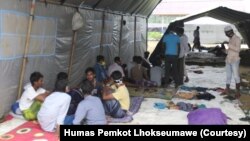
{"x": 209, "y": 34}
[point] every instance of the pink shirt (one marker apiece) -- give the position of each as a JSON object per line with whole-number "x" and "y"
{"x": 233, "y": 49}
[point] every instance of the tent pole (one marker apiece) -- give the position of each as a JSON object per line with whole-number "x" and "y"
{"x": 120, "y": 40}
{"x": 26, "y": 51}
{"x": 135, "y": 37}
{"x": 102, "y": 32}
{"x": 146, "y": 34}
{"x": 72, "y": 52}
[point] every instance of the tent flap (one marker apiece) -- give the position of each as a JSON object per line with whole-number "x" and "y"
{"x": 138, "y": 7}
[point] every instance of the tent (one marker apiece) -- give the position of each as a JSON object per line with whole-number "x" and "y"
{"x": 241, "y": 20}
{"x": 36, "y": 35}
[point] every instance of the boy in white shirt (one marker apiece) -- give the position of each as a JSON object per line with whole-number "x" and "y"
{"x": 32, "y": 97}
{"x": 157, "y": 73}
{"x": 55, "y": 108}
{"x": 116, "y": 66}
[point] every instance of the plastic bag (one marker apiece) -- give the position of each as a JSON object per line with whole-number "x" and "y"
{"x": 77, "y": 21}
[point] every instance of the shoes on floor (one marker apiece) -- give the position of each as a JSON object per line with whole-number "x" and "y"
{"x": 186, "y": 80}
{"x": 245, "y": 119}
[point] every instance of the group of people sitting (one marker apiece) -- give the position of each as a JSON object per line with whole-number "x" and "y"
{"x": 137, "y": 72}
{"x": 98, "y": 98}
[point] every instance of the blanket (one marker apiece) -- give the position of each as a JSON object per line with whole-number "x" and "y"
{"x": 29, "y": 131}
{"x": 135, "y": 103}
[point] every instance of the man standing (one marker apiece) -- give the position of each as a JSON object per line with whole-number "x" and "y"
{"x": 196, "y": 41}
{"x": 171, "y": 42}
{"x": 232, "y": 60}
{"x": 183, "y": 51}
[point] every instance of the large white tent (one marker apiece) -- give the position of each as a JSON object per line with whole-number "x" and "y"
{"x": 36, "y": 35}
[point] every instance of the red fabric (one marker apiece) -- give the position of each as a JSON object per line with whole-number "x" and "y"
{"x": 8, "y": 117}
{"x": 34, "y": 132}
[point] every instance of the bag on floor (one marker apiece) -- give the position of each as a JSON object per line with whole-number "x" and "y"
{"x": 209, "y": 116}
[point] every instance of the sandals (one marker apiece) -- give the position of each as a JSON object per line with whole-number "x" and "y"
{"x": 230, "y": 98}
{"x": 237, "y": 95}
{"x": 225, "y": 92}
{"x": 186, "y": 80}
{"x": 247, "y": 118}
{"x": 198, "y": 71}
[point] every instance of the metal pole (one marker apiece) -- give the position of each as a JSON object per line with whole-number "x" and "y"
{"x": 102, "y": 32}
{"x": 27, "y": 45}
{"x": 72, "y": 52}
{"x": 120, "y": 40}
{"x": 135, "y": 37}
{"x": 146, "y": 33}
{"x": 89, "y": 8}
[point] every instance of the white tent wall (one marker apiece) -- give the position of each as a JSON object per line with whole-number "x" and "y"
{"x": 127, "y": 42}
{"x": 56, "y": 44}
{"x": 51, "y": 41}
{"x": 111, "y": 37}
{"x": 9, "y": 78}
{"x": 141, "y": 34}
{"x": 10, "y": 64}
{"x": 87, "y": 46}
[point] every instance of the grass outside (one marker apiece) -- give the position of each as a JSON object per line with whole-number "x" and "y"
{"x": 152, "y": 45}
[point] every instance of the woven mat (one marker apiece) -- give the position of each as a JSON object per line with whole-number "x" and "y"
{"x": 161, "y": 93}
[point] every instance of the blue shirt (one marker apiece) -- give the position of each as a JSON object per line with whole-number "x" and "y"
{"x": 101, "y": 73}
{"x": 90, "y": 111}
{"x": 171, "y": 41}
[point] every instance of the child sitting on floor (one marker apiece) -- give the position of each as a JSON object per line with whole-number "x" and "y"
{"x": 32, "y": 97}
{"x": 55, "y": 107}
{"x": 116, "y": 103}
{"x": 90, "y": 110}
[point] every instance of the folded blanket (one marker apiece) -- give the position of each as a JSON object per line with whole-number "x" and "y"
{"x": 135, "y": 104}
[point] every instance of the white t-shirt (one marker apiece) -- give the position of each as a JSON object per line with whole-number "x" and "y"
{"x": 115, "y": 67}
{"x": 130, "y": 66}
{"x": 183, "y": 46}
{"x": 156, "y": 74}
{"x": 53, "y": 111}
{"x": 28, "y": 97}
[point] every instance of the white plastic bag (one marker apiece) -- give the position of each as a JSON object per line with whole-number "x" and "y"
{"x": 77, "y": 21}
